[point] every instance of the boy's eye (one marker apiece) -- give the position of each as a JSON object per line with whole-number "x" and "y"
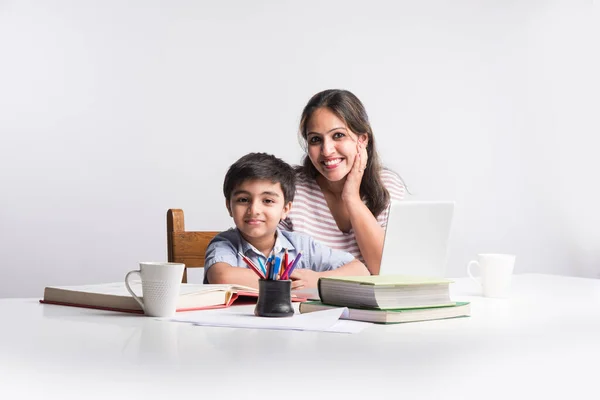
{"x": 242, "y": 200}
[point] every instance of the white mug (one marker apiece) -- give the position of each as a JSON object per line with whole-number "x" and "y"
{"x": 496, "y": 273}
{"x": 161, "y": 282}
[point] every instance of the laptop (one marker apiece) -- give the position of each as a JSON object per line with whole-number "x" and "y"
{"x": 415, "y": 243}
{"x": 416, "y": 238}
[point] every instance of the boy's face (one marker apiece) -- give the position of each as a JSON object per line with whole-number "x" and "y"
{"x": 256, "y": 207}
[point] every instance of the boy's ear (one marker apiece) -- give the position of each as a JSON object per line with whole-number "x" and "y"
{"x": 286, "y": 210}
{"x": 228, "y": 207}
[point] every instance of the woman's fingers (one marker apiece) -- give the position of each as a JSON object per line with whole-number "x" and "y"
{"x": 354, "y": 177}
{"x": 356, "y": 164}
{"x": 361, "y": 157}
{"x": 364, "y": 156}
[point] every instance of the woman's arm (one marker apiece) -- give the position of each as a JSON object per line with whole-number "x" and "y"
{"x": 369, "y": 234}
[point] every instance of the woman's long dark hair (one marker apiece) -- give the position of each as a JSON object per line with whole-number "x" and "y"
{"x": 349, "y": 109}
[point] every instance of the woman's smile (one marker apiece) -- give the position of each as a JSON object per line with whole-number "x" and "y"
{"x": 332, "y": 163}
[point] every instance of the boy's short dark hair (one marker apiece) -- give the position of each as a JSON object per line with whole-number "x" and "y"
{"x": 261, "y": 166}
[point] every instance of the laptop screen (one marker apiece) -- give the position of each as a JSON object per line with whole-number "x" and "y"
{"x": 416, "y": 238}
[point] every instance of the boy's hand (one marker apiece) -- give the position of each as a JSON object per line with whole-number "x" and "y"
{"x": 298, "y": 284}
{"x": 308, "y": 277}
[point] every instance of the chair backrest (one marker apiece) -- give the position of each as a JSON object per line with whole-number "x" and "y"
{"x": 186, "y": 247}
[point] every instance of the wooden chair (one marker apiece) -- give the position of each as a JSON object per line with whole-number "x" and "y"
{"x": 185, "y": 247}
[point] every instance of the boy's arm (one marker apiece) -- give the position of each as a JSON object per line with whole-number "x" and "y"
{"x": 221, "y": 272}
{"x": 220, "y": 264}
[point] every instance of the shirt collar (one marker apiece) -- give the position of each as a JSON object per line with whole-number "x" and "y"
{"x": 281, "y": 242}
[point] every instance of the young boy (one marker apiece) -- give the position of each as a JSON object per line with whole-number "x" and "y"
{"x": 259, "y": 189}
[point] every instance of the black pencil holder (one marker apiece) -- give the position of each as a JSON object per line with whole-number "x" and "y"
{"x": 274, "y": 298}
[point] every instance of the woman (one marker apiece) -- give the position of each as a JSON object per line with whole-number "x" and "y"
{"x": 342, "y": 191}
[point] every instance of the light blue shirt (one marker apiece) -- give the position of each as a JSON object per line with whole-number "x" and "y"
{"x": 315, "y": 256}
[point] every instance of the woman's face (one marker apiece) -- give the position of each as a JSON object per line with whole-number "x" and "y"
{"x": 331, "y": 144}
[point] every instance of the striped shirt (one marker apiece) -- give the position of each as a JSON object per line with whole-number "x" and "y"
{"x": 310, "y": 213}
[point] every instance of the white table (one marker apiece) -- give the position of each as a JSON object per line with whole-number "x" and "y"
{"x": 543, "y": 342}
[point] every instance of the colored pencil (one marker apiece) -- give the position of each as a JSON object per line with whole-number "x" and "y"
{"x": 262, "y": 267}
{"x": 251, "y": 265}
{"x": 291, "y": 269}
{"x": 286, "y": 266}
{"x": 277, "y": 268}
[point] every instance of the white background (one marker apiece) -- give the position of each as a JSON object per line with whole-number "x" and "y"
{"x": 112, "y": 112}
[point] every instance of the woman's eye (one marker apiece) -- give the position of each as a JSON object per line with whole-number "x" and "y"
{"x": 338, "y": 135}
{"x": 314, "y": 139}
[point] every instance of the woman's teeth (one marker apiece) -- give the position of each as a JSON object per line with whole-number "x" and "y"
{"x": 332, "y": 162}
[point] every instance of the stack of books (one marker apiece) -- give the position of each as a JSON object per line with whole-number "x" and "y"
{"x": 388, "y": 298}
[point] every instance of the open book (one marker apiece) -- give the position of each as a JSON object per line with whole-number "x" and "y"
{"x": 115, "y": 297}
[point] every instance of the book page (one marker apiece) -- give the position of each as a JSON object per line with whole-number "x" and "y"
{"x": 393, "y": 280}
{"x": 115, "y": 288}
{"x": 119, "y": 289}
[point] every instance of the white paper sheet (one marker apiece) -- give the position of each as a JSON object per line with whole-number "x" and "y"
{"x": 319, "y": 321}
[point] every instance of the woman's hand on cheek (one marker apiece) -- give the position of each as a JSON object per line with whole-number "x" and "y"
{"x": 351, "y": 189}
{"x": 364, "y": 156}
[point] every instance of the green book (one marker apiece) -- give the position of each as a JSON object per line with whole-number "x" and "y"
{"x": 394, "y": 316}
{"x": 385, "y": 292}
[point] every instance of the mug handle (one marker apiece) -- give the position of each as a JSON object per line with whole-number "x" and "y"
{"x": 136, "y": 298}
{"x": 471, "y": 263}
